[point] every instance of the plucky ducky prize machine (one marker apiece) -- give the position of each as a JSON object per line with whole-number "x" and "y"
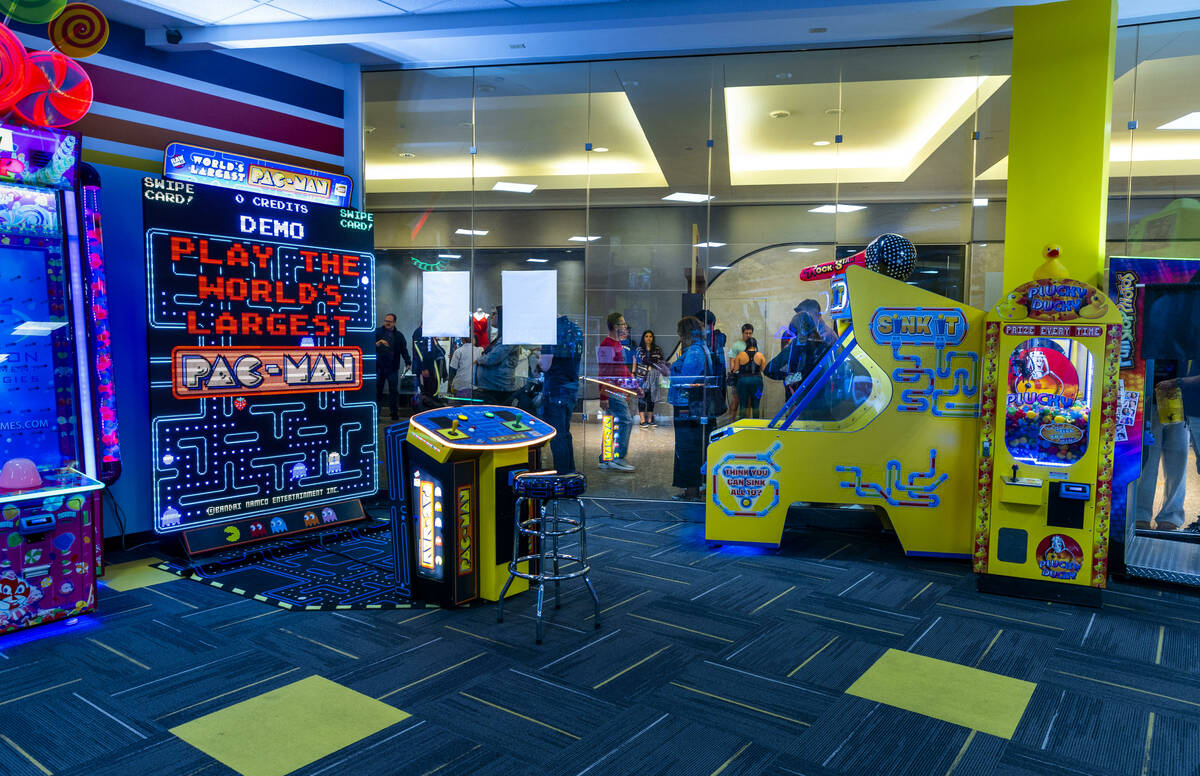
{"x": 1046, "y": 442}
{"x": 884, "y": 420}
{"x": 450, "y": 480}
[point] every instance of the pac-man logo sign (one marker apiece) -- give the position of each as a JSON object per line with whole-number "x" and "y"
{"x": 198, "y": 372}
{"x": 934, "y": 326}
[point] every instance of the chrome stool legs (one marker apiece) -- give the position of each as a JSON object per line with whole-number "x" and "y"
{"x": 546, "y": 529}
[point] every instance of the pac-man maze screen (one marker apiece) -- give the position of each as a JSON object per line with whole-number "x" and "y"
{"x": 261, "y": 323}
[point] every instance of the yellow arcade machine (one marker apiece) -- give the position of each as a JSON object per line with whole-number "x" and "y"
{"x": 1045, "y": 455}
{"x": 450, "y": 475}
{"x": 887, "y": 419}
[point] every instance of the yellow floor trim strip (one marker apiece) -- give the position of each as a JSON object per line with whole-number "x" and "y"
{"x": 810, "y": 657}
{"x": 682, "y": 628}
{"x": 835, "y": 552}
{"x": 227, "y": 692}
{"x": 961, "y": 752}
{"x": 998, "y": 616}
{"x": 644, "y": 574}
{"x": 519, "y": 714}
{"x": 33, "y": 759}
{"x": 481, "y": 638}
{"x": 39, "y": 692}
{"x": 624, "y": 671}
{"x": 247, "y": 619}
{"x": 739, "y": 703}
{"x": 417, "y": 616}
{"x": 845, "y": 622}
{"x": 773, "y": 600}
{"x": 627, "y": 541}
{"x": 1131, "y": 689}
{"x": 427, "y": 678}
{"x": 320, "y": 644}
{"x": 1146, "y": 753}
{"x": 288, "y": 728}
{"x": 1162, "y": 630}
{"x": 119, "y": 653}
{"x": 736, "y": 755}
{"x": 991, "y": 644}
{"x": 922, "y": 590}
{"x": 151, "y": 589}
{"x": 619, "y": 603}
{"x": 919, "y": 684}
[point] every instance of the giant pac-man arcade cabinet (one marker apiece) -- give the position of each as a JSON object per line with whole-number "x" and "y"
{"x": 1046, "y": 443}
{"x": 884, "y": 420}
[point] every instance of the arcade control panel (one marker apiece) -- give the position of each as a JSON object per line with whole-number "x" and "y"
{"x": 481, "y": 427}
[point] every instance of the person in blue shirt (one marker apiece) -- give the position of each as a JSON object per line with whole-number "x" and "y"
{"x": 496, "y": 369}
{"x": 692, "y": 378}
{"x": 560, "y": 389}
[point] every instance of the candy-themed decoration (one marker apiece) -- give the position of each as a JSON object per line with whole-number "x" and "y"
{"x": 79, "y": 31}
{"x": 58, "y": 92}
{"x": 12, "y": 68}
{"x": 32, "y": 11}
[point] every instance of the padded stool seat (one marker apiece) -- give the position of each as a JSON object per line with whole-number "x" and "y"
{"x": 549, "y": 485}
{"x": 546, "y": 562}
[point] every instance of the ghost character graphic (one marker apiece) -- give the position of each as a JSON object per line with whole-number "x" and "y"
{"x": 334, "y": 464}
{"x": 299, "y": 471}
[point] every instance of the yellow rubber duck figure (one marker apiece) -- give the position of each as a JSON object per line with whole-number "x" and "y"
{"x": 1096, "y": 306}
{"x": 1052, "y": 268}
{"x": 1011, "y": 308}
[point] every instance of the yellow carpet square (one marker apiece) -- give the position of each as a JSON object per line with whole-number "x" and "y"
{"x": 965, "y": 696}
{"x": 288, "y": 728}
{"x": 134, "y": 574}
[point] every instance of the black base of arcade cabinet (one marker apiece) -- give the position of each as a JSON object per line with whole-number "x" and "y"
{"x": 254, "y": 530}
{"x": 1040, "y": 590}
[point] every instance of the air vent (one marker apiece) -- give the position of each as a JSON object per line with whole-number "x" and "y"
{"x": 39, "y": 159}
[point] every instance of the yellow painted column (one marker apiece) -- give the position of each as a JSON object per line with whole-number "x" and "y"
{"x": 1059, "y": 127}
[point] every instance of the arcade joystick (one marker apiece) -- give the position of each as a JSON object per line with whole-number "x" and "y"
{"x": 20, "y": 474}
{"x": 1014, "y": 475}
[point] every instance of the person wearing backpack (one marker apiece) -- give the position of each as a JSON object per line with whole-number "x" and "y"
{"x": 691, "y": 379}
{"x": 560, "y": 389}
{"x": 748, "y": 365}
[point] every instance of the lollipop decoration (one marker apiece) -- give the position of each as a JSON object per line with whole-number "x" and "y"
{"x": 12, "y": 68}
{"x": 58, "y": 91}
{"x": 79, "y": 31}
{"x": 32, "y": 11}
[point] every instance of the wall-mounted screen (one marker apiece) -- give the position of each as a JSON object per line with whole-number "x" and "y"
{"x": 261, "y": 315}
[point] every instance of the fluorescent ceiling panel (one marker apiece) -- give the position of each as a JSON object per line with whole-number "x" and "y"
{"x": 683, "y": 196}
{"x": 537, "y": 139}
{"x": 1165, "y": 94}
{"x": 519, "y": 188}
{"x": 890, "y": 128}
{"x": 1190, "y": 121}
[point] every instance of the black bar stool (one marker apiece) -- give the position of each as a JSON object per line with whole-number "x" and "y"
{"x": 549, "y": 488}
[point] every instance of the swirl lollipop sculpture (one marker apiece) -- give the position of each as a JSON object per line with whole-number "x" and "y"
{"x": 49, "y": 88}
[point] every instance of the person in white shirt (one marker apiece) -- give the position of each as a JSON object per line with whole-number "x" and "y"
{"x": 462, "y": 367}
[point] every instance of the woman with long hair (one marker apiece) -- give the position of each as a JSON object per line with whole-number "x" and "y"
{"x": 651, "y": 366}
{"x": 690, "y": 376}
{"x": 749, "y": 366}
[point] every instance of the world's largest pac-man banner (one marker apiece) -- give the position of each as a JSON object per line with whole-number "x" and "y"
{"x": 260, "y": 312}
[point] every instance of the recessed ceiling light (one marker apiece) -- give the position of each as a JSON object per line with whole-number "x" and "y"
{"x": 718, "y": 266}
{"x": 982, "y": 245}
{"x": 780, "y": 114}
{"x": 1190, "y": 121}
{"x": 581, "y": 238}
{"x": 980, "y": 202}
{"x": 600, "y": 149}
{"x": 929, "y": 272}
{"x": 522, "y": 188}
{"x": 449, "y": 255}
{"x": 683, "y": 196}
{"x": 470, "y": 232}
{"x": 839, "y": 208}
{"x": 782, "y": 76}
{"x": 406, "y": 155}
{"x": 370, "y": 130}
{"x": 820, "y": 142}
{"x": 538, "y": 261}
{"x": 802, "y": 250}
{"x": 710, "y": 245}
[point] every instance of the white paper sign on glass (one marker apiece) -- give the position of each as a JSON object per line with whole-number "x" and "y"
{"x": 446, "y": 304}
{"x": 530, "y": 300}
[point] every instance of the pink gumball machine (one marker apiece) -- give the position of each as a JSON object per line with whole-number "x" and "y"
{"x": 58, "y": 429}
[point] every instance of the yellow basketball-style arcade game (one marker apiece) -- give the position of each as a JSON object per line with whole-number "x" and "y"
{"x": 886, "y": 419}
{"x": 1045, "y": 456}
{"x": 450, "y": 477}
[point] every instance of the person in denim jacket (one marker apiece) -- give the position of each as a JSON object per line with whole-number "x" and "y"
{"x": 496, "y": 369}
{"x": 691, "y": 375}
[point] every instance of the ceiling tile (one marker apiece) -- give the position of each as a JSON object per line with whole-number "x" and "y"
{"x": 199, "y": 10}
{"x": 342, "y": 9}
{"x": 261, "y": 14}
{"x": 455, "y": 6}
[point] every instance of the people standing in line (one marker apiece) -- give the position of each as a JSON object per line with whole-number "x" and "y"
{"x": 735, "y": 349}
{"x": 390, "y": 348}
{"x": 808, "y": 339}
{"x": 748, "y": 365}
{"x": 462, "y": 368}
{"x": 612, "y": 369}
{"x": 560, "y": 390}
{"x": 652, "y": 366}
{"x": 496, "y": 367}
{"x": 715, "y": 386}
{"x": 691, "y": 378}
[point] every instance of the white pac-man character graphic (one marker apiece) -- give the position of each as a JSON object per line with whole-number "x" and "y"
{"x": 299, "y": 471}
{"x": 334, "y": 464}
